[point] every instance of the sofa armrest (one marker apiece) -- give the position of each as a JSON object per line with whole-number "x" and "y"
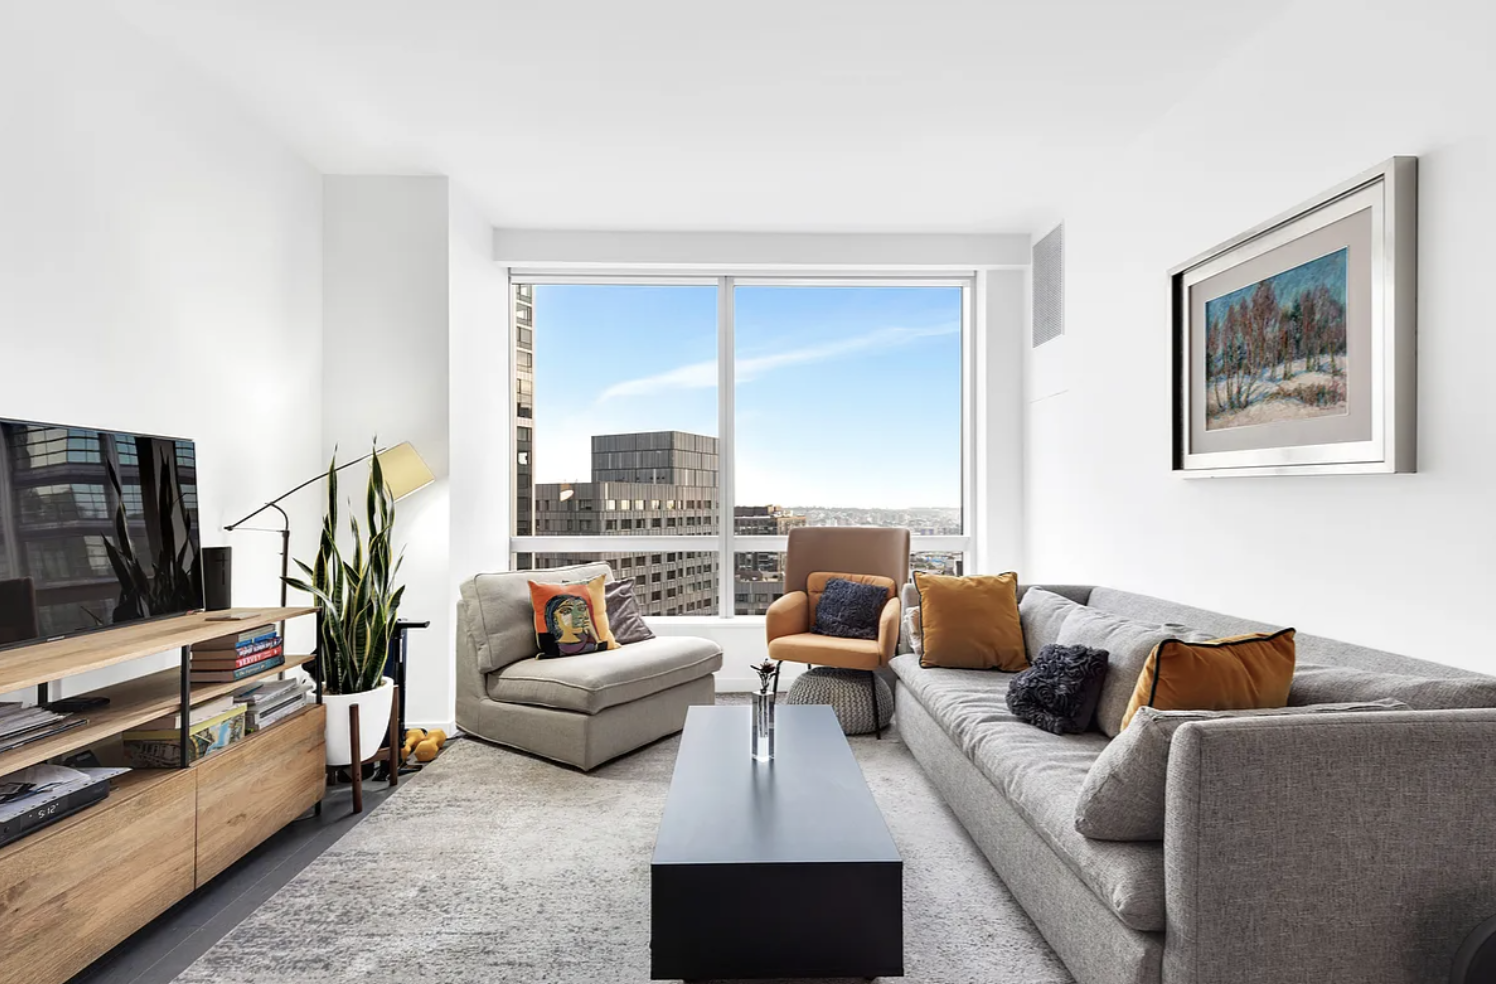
{"x": 788, "y": 615}
{"x": 888, "y": 628}
{"x": 1355, "y": 847}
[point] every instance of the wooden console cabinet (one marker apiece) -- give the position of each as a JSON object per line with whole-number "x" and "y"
{"x": 70, "y": 892}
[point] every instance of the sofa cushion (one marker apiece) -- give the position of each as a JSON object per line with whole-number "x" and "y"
{"x": 1128, "y": 644}
{"x": 971, "y": 622}
{"x": 1059, "y": 692}
{"x": 624, "y": 616}
{"x": 497, "y": 614}
{"x": 1122, "y": 798}
{"x": 1313, "y": 684}
{"x": 847, "y": 605}
{"x": 1040, "y": 774}
{"x": 595, "y": 681}
{"x": 571, "y": 619}
{"x": 1251, "y": 671}
{"x": 1043, "y": 613}
{"x": 821, "y": 650}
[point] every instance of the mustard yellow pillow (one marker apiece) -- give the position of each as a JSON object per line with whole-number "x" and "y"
{"x": 971, "y": 623}
{"x": 1238, "y": 673}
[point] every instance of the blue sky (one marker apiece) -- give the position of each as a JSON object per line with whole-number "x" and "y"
{"x": 846, "y": 396}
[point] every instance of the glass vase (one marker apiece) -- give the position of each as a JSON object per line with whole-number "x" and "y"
{"x": 763, "y": 727}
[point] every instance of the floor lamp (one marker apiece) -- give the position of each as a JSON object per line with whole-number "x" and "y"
{"x": 404, "y": 473}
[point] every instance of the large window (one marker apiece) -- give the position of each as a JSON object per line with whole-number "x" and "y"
{"x": 655, "y": 410}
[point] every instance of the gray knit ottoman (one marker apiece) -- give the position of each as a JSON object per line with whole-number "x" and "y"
{"x": 848, "y": 694}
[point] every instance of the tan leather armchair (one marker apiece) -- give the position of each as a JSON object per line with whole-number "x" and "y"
{"x": 868, "y": 554}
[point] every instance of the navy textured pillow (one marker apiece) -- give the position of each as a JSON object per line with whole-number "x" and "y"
{"x": 850, "y": 609}
{"x": 1060, "y": 691}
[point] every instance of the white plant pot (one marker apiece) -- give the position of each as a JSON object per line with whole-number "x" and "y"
{"x": 373, "y": 721}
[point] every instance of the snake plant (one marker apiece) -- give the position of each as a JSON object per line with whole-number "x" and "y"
{"x": 357, "y": 599}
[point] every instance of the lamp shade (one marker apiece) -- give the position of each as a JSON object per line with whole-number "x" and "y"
{"x": 404, "y": 471}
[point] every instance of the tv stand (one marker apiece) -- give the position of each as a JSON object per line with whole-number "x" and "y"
{"x": 73, "y": 890}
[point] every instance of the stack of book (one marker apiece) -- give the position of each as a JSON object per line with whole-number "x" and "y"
{"x": 157, "y": 744}
{"x": 269, "y": 702}
{"x": 21, "y": 725}
{"x": 234, "y": 657}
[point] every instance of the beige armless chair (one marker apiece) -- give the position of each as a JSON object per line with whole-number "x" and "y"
{"x": 580, "y": 710}
{"x": 816, "y": 554}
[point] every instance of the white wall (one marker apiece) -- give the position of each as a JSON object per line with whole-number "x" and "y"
{"x": 385, "y": 374}
{"x": 416, "y": 350}
{"x": 1001, "y": 339}
{"x": 1400, "y": 562}
{"x": 160, "y": 270}
{"x": 479, "y": 409}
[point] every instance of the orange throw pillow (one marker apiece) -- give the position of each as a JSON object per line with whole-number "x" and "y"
{"x": 1239, "y": 673}
{"x": 971, "y": 623}
{"x": 571, "y": 619}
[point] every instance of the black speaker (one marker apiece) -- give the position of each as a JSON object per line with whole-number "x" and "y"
{"x": 218, "y": 578}
{"x": 1476, "y": 961}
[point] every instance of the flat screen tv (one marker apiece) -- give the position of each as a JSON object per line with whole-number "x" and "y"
{"x": 97, "y": 529}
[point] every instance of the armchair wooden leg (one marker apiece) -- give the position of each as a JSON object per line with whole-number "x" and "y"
{"x": 872, "y": 687}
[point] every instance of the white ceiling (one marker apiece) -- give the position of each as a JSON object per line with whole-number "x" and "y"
{"x": 784, "y": 115}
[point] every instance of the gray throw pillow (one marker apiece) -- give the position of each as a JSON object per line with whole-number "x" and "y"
{"x": 1059, "y": 690}
{"x": 1042, "y": 613}
{"x": 1123, "y": 796}
{"x": 849, "y": 609}
{"x": 624, "y": 616}
{"x": 1128, "y": 643}
{"x": 1315, "y": 684}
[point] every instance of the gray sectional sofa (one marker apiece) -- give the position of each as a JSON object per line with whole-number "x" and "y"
{"x": 1323, "y": 849}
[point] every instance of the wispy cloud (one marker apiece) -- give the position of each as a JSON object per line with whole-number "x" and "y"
{"x": 703, "y": 375}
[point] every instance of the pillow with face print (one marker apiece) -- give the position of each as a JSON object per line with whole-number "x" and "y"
{"x": 571, "y": 619}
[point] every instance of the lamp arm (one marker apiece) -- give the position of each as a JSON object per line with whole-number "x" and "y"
{"x": 273, "y": 503}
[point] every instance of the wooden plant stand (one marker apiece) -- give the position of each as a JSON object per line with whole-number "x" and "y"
{"x": 356, "y": 770}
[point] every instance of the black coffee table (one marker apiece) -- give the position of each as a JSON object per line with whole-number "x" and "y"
{"x": 778, "y": 869}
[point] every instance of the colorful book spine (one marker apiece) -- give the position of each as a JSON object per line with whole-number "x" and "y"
{"x": 228, "y": 676}
{"x": 232, "y": 642}
{"x": 227, "y": 662}
{"x": 163, "y": 749}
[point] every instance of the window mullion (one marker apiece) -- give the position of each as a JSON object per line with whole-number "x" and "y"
{"x": 726, "y": 465}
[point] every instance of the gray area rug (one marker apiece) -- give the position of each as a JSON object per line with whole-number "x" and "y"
{"x": 493, "y": 867}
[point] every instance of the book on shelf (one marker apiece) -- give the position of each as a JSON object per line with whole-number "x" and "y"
{"x": 237, "y": 640}
{"x": 200, "y": 713}
{"x": 162, "y": 749}
{"x": 39, "y": 732}
{"x": 16, "y": 718}
{"x": 258, "y": 719}
{"x": 229, "y": 661}
{"x": 265, "y": 691}
{"x": 229, "y": 676}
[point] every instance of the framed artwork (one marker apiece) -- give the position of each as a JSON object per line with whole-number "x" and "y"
{"x": 1295, "y": 344}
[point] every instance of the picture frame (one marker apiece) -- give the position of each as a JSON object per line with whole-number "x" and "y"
{"x": 1295, "y": 343}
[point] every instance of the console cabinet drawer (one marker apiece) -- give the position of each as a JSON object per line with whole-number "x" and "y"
{"x": 254, "y": 788}
{"x": 71, "y": 892}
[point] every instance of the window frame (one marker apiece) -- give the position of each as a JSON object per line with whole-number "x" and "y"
{"x": 726, "y": 542}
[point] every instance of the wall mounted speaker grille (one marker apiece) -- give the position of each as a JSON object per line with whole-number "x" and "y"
{"x": 1049, "y": 286}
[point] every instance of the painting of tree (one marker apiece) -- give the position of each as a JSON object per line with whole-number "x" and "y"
{"x": 1275, "y": 350}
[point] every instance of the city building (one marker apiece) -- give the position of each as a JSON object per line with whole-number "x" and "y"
{"x": 758, "y": 575}
{"x": 524, "y": 410}
{"x": 662, "y": 483}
